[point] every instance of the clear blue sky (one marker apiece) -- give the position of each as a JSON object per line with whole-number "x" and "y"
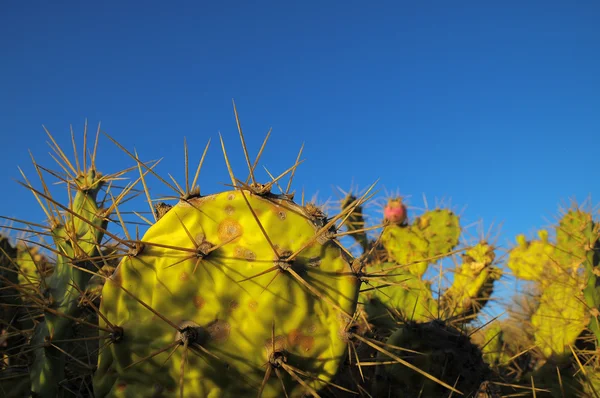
{"x": 494, "y": 104}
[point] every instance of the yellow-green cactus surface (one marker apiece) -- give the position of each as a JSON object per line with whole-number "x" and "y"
{"x": 218, "y": 294}
{"x": 393, "y": 288}
{"x": 560, "y": 318}
{"x": 473, "y": 281}
{"x": 532, "y": 260}
{"x": 433, "y": 234}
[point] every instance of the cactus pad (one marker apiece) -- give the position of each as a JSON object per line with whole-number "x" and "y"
{"x": 473, "y": 282}
{"x": 560, "y": 318}
{"x": 394, "y": 289}
{"x": 531, "y": 260}
{"x": 439, "y": 350}
{"x": 433, "y": 234}
{"x": 213, "y": 300}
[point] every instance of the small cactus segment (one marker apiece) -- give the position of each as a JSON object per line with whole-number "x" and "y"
{"x": 575, "y": 236}
{"x": 10, "y": 300}
{"x": 591, "y": 292}
{"x": 9, "y": 279}
{"x": 567, "y": 300}
{"x": 590, "y": 381}
{"x": 229, "y": 298}
{"x": 356, "y": 221}
{"x": 31, "y": 263}
{"x": 473, "y": 282}
{"x": 560, "y": 317}
{"x": 542, "y": 261}
{"x": 78, "y": 237}
{"x": 492, "y": 345}
{"x": 532, "y": 260}
{"x": 441, "y": 351}
{"x": 432, "y": 235}
{"x": 395, "y": 294}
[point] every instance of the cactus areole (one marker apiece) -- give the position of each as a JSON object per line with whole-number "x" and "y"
{"x": 231, "y": 294}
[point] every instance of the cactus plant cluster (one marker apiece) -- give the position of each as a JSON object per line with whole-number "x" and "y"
{"x": 249, "y": 292}
{"x": 561, "y": 329}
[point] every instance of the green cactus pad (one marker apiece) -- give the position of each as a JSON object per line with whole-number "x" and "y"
{"x": 441, "y": 351}
{"x": 433, "y": 234}
{"x": 574, "y": 231}
{"x": 30, "y": 263}
{"x": 394, "y": 289}
{"x": 356, "y": 221}
{"x": 532, "y": 260}
{"x": 560, "y": 318}
{"x": 492, "y": 345}
{"x": 9, "y": 279}
{"x": 212, "y": 278}
{"x": 79, "y": 238}
{"x": 473, "y": 282}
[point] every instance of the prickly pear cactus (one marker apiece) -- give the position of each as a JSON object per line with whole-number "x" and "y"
{"x": 246, "y": 293}
{"x": 562, "y": 314}
{"x": 432, "y": 235}
{"x": 567, "y": 307}
{"x": 394, "y": 295}
{"x": 33, "y": 265}
{"x": 530, "y": 260}
{"x": 9, "y": 281}
{"x": 228, "y": 294}
{"x": 492, "y": 346}
{"x": 473, "y": 282}
{"x": 77, "y": 237}
{"x": 439, "y": 350}
{"x": 356, "y": 221}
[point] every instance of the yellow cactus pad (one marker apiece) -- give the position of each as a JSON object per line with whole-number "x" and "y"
{"x": 431, "y": 236}
{"x": 473, "y": 282}
{"x": 221, "y": 285}
{"x": 560, "y": 318}
{"x": 532, "y": 260}
{"x": 393, "y": 287}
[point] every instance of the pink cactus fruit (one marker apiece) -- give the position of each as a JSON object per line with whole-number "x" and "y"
{"x": 394, "y": 211}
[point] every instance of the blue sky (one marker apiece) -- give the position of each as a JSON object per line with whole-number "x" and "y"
{"x": 494, "y": 105}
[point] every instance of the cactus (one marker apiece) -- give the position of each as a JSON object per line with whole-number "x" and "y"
{"x": 397, "y": 295}
{"x": 20, "y": 270}
{"x": 564, "y": 272}
{"x": 431, "y": 236}
{"x": 560, "y": 318}
{"x": 9, "y": 280}
{"x": 245, "y": 292}
{"x": 435, "y": 348}
{"x": 492, "y": 346}
{"x": 33, "y": 266}
{"x": 397, "y": 287}
{"x": 61, "y": 316}
{"x": 400, "y": 307}
{"x": 224, "y": 274}
{"x": 532, "y": 260}
{"x": 356, "y": 221}
{"x": 473, "y": 282}
{"x": 229, "y": 294}
{"x": 562, "y": 314}
{"x": 77, "y": 237}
